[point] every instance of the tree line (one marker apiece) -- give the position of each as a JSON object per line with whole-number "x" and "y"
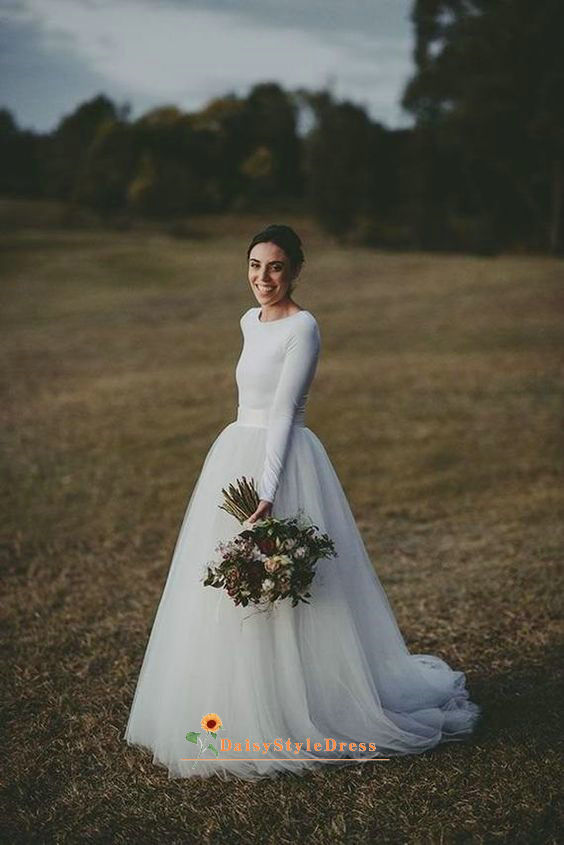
{"x": 482, "y": 169}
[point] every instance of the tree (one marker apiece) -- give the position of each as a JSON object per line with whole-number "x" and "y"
{"x": 342, "y": 160}
{"x": 68, "y": 146}
{"x": 489, "y": 80}
{"x": 177, "y": 158}
{"x": 271, "y": 114}
{"x": 106, "y": 168}
{"x": 20, "y": 173}
{"x": 230, "y": 143}
{"x": 330, "y": 158}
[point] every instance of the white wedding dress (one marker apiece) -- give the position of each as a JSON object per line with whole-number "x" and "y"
{"x": 336, "y": 669}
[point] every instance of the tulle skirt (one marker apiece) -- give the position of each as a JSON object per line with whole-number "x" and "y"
{"x": 329, "y": 683}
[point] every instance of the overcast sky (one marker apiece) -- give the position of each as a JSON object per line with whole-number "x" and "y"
{"x": 54, "y": 54}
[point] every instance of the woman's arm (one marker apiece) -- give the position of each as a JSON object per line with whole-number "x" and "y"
{"x": 298, "y": 369}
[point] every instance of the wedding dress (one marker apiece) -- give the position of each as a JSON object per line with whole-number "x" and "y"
{"x": 326, "y": 683}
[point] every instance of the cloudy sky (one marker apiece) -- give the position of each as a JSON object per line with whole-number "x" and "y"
{"x": 54, "y": 54}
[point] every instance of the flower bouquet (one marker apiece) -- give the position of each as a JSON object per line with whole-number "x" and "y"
{"x": 272, "y": 559}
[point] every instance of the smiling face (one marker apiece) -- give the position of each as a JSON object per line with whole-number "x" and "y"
{"x": 270, "y": 273}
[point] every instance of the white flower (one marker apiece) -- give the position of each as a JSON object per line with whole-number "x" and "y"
{"x": 301, "y": 551}
{"x": 290, "y": 542}
{"x": 267, "y": 585}
{"x": 272, "y": 564}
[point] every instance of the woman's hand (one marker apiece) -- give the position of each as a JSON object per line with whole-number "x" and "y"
{"x": 263, "y": 510}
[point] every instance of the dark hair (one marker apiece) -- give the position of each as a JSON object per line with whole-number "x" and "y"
{"x": 284, "y": 237}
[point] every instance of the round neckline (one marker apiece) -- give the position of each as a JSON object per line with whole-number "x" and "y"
{"x": 279, "y": 320}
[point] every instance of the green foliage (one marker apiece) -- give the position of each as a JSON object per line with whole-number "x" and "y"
{"x": 20, "y": 166}
{"x": 488, "y": 94}
{"x": 102, "y": 180}
{"x": 69, "y": 146}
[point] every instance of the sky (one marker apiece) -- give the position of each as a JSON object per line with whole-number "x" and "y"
{"x": 55, "y": 54}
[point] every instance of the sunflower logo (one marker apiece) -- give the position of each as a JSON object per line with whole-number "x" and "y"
{"x": 210, "y": 724}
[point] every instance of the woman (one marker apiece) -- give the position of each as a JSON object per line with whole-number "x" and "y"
{"x": 316, "y": 684}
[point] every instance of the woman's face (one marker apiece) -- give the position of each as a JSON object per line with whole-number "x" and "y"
{"x": 270, "y": 273}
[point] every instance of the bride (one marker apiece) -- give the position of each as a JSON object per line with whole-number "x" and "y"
{"x": 326, "y": 683}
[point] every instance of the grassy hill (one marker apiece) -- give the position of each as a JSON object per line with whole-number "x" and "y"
{"x": 438, "y": 397}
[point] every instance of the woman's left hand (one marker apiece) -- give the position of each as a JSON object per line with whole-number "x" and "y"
{"x": 263, "y": 510}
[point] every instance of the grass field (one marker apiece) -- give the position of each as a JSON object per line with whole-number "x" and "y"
{"x": 439, "y": 398}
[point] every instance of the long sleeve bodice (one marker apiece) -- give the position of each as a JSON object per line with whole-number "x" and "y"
{"x": 274, "y": 372}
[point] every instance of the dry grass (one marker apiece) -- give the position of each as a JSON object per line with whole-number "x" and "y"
{"x": 447, "y": 375}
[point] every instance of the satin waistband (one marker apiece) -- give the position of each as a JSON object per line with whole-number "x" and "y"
{"x": 259, "y": 416}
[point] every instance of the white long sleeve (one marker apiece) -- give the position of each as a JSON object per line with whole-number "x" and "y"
{"x": 275, "y": 371}
{"x": 299, "y": 366}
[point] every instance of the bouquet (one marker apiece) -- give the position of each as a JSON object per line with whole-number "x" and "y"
{"x": 272, "y": 559}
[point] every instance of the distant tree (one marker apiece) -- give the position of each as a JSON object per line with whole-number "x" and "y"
{"x": 259, "y": 172}
{"x": 176, "y": 163}
{"x": 69, "y": 144}
{"x": 271, "y": 115}
{"x": 489, "y": 82}
{"x": 20, "y": 174}
{"x": 141, "y": 189}
{"x": 340, "y": 159}
{"x": 107, "y": 166}
{"x": 230, "y": 142}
